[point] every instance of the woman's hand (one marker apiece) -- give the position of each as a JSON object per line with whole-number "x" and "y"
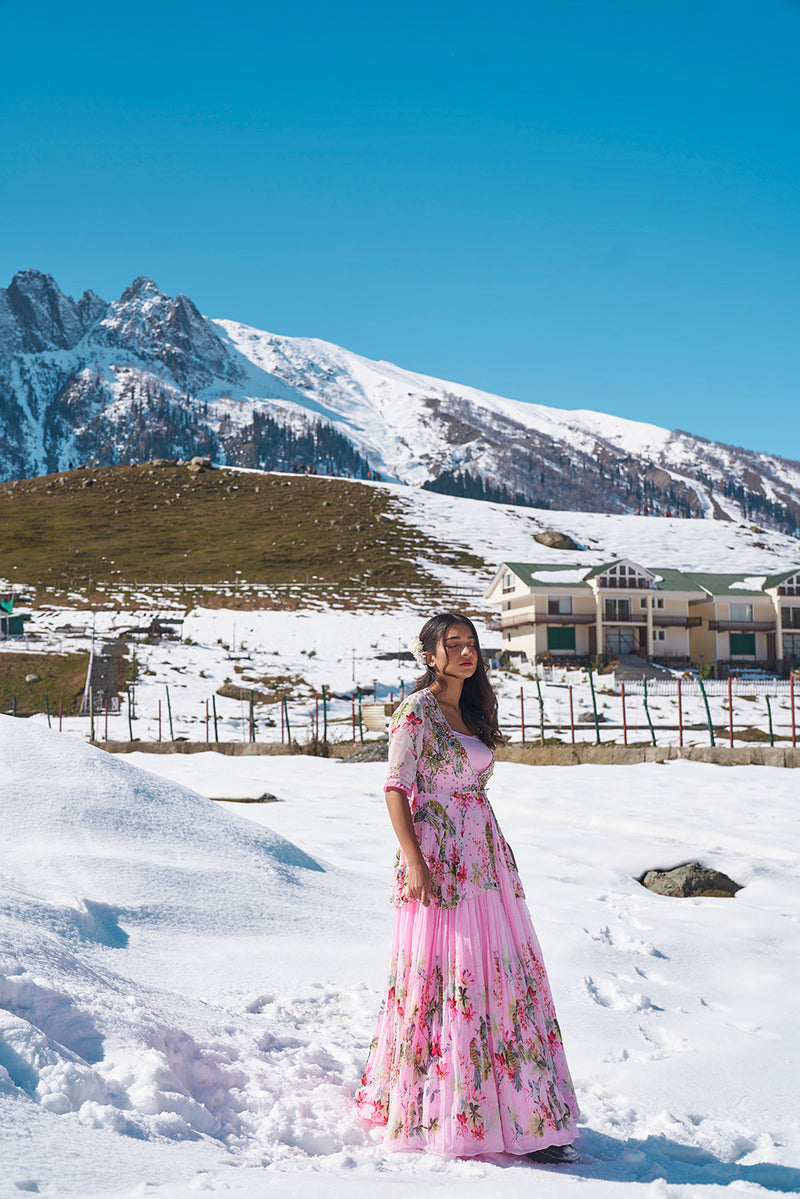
{"x": 419, "y": 883}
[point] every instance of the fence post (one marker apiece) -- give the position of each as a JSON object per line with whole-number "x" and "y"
{"x": 594, "y": 708}
{"x": 730, "y": 711}
{"x": 60, "y": 713}
{"x": 571, "y": 715}
{"x": 647, "y": 713}
{"x": 522, "y": 714}
{"x": 214, "y": 710}
{"x": 360, "y": 720}
{"x": 324, "y": 714}
{"x": 286, "y": 719}
{"x": 769, "y": 718}
{"x": 708, "y": 711}
{"x": 541, "y": 710}
{"x": 206, "y": 722}
{"x": 252, "y": 717}
{"x": 624, "y": 718}
{"x": 130, "y": 717}
{"x": 280, "y": 705}
{"x": 353, "y": 716}
{"x": 91, "y": 713}
{"x": 316, "y": 718}
{"x": 680, "y": 715}
{"x": 169, "y": 714}
{"x": 159, "y": 720}
{"x": 47, "y": 710}
{"x": 791, "y": 704}
{"x": 105, "y": 734}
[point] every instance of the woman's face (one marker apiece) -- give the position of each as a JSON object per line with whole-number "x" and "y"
{"x": 457, "y": 652}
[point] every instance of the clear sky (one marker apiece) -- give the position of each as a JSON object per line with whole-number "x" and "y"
{"x": 584, "y": 203}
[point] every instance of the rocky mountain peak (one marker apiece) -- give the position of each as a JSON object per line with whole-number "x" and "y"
{"x": 35, "y": 315}
{"x": 145, "y": 321}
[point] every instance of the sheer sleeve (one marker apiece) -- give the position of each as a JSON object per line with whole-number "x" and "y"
{"x": 405, "y": 746}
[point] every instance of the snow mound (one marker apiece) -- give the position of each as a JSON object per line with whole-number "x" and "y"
{"x": 90, "y": 831}
{"x": 116, "y": 885}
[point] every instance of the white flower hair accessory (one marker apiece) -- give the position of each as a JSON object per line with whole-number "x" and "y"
{"x": 416, "y": 647}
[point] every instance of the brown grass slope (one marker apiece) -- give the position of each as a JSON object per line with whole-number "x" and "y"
{"x": 136, "y": 525}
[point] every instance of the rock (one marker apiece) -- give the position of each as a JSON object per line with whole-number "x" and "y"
{"x": 234, "y": 691}
{"x": 371, "y": 751}
{"x": 87, "y": 482}
{"x": 33, "y": 678}
{"x": 689, "y": 880}
{"x": 555, "y": 540}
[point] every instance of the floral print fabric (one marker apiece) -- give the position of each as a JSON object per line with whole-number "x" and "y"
{"x": 455, "y": 825}
{"x": 467, "y": 1056}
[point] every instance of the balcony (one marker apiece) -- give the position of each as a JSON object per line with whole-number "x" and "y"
{"x": 677, "y": 622}
{"x": 624, "y": 584}
{"x": 565, "y": 618}
{"x": 743, "y": 626}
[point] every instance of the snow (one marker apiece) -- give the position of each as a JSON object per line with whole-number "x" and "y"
{"x": 750, "y": 583}
{"x": 386, "y": 406}
{"x": 188, "y": 989}
{"x": 562, "y": 575}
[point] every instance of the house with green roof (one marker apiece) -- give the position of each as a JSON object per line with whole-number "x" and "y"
{"x": 572, "y": 611}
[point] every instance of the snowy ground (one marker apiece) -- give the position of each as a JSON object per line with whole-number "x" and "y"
{"x": 339, "y": 650}
{"x": 188, "y": 989}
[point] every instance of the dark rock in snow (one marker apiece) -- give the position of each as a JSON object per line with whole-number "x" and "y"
{"x": 690, "y": 879}
{"x": 555, "y": 540}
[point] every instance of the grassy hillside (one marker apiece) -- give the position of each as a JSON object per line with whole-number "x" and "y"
{"x": 86, "y": 531}
{"x": 59, "y": 677}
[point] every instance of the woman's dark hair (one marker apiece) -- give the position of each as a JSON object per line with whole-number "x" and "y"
{"x": 478, "y": 702}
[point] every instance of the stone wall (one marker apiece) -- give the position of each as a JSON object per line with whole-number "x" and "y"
{"x": 529, "y": 755}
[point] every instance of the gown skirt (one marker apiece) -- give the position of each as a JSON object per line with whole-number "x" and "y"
{"x": 467, "y": 1056}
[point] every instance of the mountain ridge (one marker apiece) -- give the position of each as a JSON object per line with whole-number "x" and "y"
{"x": 150, "y": 376}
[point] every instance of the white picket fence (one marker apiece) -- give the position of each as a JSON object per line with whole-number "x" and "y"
{"x": 713, "y": 687}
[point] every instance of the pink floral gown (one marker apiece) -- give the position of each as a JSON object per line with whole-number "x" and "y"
{"x": 467, "y": 1056}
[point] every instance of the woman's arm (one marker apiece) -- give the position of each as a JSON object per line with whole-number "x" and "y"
{"x": 419, "y": 882}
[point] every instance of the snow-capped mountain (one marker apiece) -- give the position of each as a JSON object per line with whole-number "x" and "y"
{"x": 149, "y": 376}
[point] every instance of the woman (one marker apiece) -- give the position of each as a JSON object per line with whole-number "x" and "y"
{"x": 467, "y": 1056}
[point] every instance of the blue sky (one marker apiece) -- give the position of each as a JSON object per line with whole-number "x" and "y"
{"x": 584, "y": 204}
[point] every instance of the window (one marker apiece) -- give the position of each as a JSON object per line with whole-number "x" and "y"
{"x": 741, "y": 611}
{"x": 560, "y": 638}
{"x": 624, "y": 576}
{"x": 617, "y": 609}
{"x": 791, "y": 618}
{"x": 791, "y": 646}
{"x": 657, "y": 603}
{"x": 660, "y": 602}
{"x": 791, "y": 586}
{"x": 508, "y": 581}
{"x": 659, "y": 634}
{"x": 559, "y": 605}
{"x": 743, "y": 645}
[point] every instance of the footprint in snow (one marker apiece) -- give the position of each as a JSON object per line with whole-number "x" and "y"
{"x": 606, "y": 993}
